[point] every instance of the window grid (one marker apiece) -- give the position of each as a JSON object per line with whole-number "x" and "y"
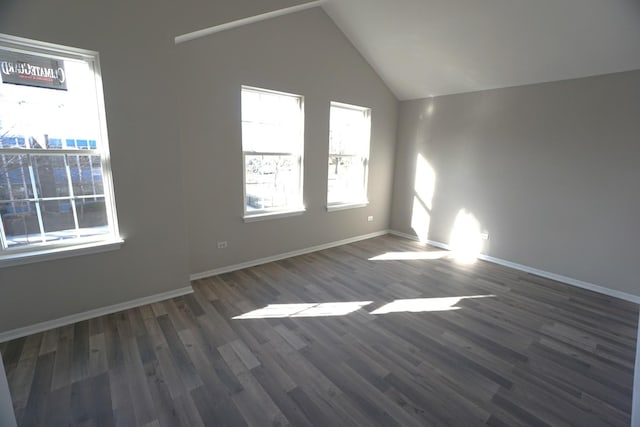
{"x": 38, "y": 199}
{"x": 272, "y": 141}
{"x": 349, "y": 140}
{"x": 59, "y": 188}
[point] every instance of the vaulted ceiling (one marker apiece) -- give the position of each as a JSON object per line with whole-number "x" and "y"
{"x": 425, "y": 48}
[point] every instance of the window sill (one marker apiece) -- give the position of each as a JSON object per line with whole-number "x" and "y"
{"x": 273, "y": 215}
{"x": 50, "y": 254}
{"x": 343, "y": 206}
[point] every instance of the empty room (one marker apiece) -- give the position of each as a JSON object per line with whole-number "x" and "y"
{"x": 327, "y": 213}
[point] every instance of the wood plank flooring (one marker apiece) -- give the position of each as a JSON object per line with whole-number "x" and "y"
{"x": 526, "y": 351}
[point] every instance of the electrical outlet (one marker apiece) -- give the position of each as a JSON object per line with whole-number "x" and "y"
{"x": 222, "y": 245}
{"x": 370, "y": 218}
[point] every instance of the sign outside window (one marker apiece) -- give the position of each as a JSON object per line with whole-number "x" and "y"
{"x": 30, "y": 70}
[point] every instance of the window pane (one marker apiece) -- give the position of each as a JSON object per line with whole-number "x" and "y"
{"x": 272, "y": 143}
{"x": 272, "y": 182}
{"x": 46, "y": 195}
{"x": 15, "y": 181}
{"x": 92, "y": 216}
{"x": 346, "y": 179}
{"x": 349, "y": 136}
{"x": 57, "y": 215}
{"x": 42, "y": 118}
{"x": 50, "y": 175}
{"x": 270, "y": 138}
{"x": 86, "y": 175}
{"x": 20, "y": 223}
{"x": 347, "y": 131}
{"x": 250, "y": 106}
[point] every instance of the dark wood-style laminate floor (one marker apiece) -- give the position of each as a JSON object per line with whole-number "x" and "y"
{"x": 524, "y": 351}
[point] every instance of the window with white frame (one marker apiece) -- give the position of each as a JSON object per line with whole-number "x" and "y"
{"x": 349, "y": 135}
{"x": 55, "y": 178}
{"x": 272, "y": 149}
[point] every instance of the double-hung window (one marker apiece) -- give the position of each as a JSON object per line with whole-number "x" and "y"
{"x": 349, "y": 136}
{"x": 55, "y": 181}
{"x": 272, "y": 149}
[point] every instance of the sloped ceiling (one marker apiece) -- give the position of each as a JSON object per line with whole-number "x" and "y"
{"x": 425, "y": 48}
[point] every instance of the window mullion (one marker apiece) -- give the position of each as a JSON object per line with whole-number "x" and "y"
{"x": 9, "y": 186}
{"x": 71, "y": 195}
{"x": 93, "y": 181}
{"x": 3, "y": 238}
{"x": 36, "y": 196}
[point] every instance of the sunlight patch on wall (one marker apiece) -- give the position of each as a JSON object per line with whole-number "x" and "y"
{"x": 466, "y": 238}
{"x": 417, "y": 305}
{"x": 423, "y": 188}
{"x": 273, "y": 311}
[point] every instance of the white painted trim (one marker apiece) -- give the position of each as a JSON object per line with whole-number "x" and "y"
{"x": 263, "y": 216}
{"x": 245, "y": 21}
{"x": 342, "y": 206}
{"x": 564, "y": 279}
{"x": 406, "y": 236}
{"x": 78, "y": 317}
{"x": 542, "y": 273}
{"x": 53, "y": 253}
{"x": 285, "y": 255}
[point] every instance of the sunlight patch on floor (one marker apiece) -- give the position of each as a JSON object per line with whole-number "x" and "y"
{"x": 418, "y": 305}
{"x": 403, "y": 256}
{"x": 327, "y": 309}
{"x": 323, "y": 309}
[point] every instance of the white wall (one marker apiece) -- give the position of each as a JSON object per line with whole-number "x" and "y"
{"x": 137, "y": 55}
{"x": 302, "y": 53}
{"x": 549, "y": 170}
{"x": 181, "y": 190}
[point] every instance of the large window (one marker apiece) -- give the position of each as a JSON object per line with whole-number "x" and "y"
{"x": 349, "y": 135}
{"x": 55, "y": 181}
{"x": 272, "y": 147}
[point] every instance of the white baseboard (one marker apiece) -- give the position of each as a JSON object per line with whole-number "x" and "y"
{"x": 407, "y": 236}
{"x": 542, "y": 273}
{"x": 253, "y": 263}
{"x": 78, "y": 317}
{"x": 635, "y": 405}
